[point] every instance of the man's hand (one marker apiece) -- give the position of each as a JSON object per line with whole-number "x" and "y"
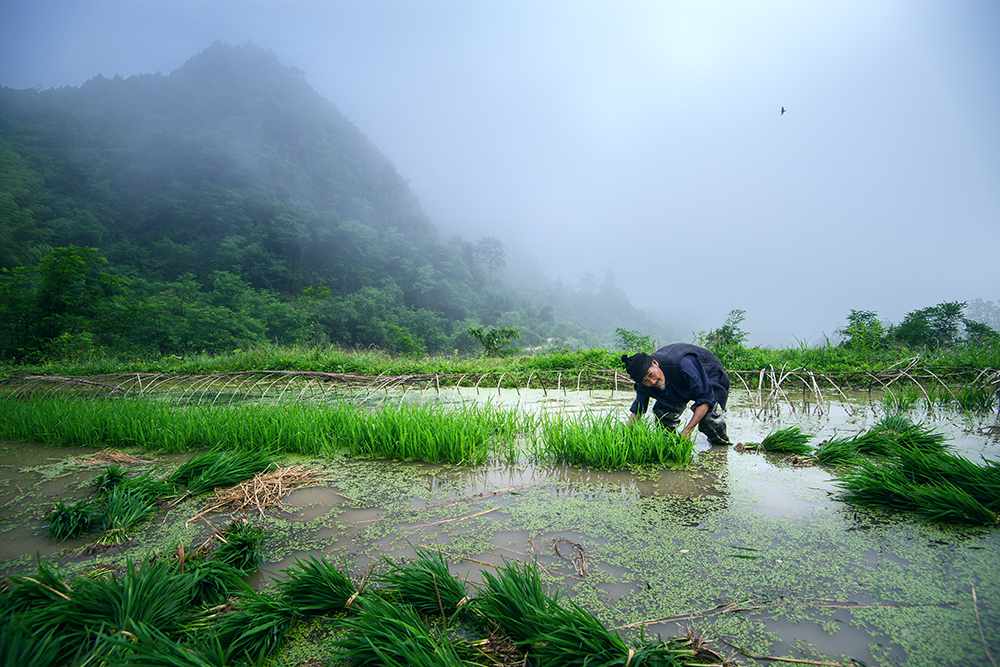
{"x": 699, "y": 414}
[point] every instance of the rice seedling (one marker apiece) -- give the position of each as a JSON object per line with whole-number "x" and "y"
{"x": 426, "y": 584}
{"x": 20, "y": 648}
{"x": 317, "y": 587}
{"x": 124, "y": 507}
{"x": 219, "y": 469}
{"x": 576, "y": 638}
{"x": 72, "y": 520}
{"x": 872, "y": 484}
{"x": 603, "y": 442}
{"x": 148, "y": 647}
{"x": 257, "y": 627}
{"x": 896, "y": 430}
{"x": 837, "y": 451}
{"x": 789, "y": 440}
{"x": 153, "y": 593}
{"x": 944, "y": 502}
{"x": 241, "y": 546}
{"x": 107, "y": 480}
{"x": 516, "y": 600}
{"x": 214, "y": 581}
{"x": 389, "y": 634}
{"x": 976, "y": 399}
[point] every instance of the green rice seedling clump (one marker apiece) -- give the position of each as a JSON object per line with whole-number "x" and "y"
{"x": 217, "y": 469}
{"x": 385, "y": 633}
{"x": 214, "y": 581}
{"x": 241, "y": 546}
{"x": 789, "y": 440}
{"x": 124, "y": 508}
{"x": 20, "y": 648}
{"x": 152, "y": 648}
{"x": 426, "y": 584}
{"x": 605, "y": 443}
{"x": 575, "y": 638}
{"x": 107, "y": 480}
{"x": 316, "y": 586}
{"x": 837, "y": 452}
{"x": 72, "y": 520}
{"x": 256, "y": 629}
{"x": 516, "y": 600}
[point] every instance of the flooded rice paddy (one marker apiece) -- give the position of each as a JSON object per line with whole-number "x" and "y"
{"x": 758, "y": 555}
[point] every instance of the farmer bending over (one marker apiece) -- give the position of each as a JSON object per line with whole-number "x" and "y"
{"x": 675, "y": 375}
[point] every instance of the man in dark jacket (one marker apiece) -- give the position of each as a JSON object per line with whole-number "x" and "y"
{"x": 675, "y": 375}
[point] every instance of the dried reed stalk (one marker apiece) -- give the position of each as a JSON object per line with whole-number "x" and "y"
{"x": 265, "y": 490}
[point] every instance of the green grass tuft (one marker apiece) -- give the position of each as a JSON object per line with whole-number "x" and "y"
{"x": 789, "y": 440}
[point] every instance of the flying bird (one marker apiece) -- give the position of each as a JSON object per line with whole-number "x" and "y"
{"x": 782, "y": 111}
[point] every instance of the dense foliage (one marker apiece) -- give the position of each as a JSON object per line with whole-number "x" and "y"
{"x": 234, "y": 205}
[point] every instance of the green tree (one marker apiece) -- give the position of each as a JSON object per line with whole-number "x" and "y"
{"x": 632, "y": 341}
{"x": 864, "y": 332}
{"x": 489, "y": 251}
{"x": 494, "y": 339}
{"x": 729, "y": 335}
{"x": 932, "y": 327}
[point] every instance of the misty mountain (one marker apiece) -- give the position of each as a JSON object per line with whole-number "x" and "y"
{"x": 233, "y": 166}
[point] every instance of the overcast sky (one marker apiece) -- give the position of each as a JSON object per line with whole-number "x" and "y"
{"x": 642, "y": 137}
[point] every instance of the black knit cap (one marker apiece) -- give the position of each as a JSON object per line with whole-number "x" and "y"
{"x": 637, "y": 365}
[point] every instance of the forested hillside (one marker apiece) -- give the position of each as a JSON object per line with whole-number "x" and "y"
{"x": 235, "y": 205}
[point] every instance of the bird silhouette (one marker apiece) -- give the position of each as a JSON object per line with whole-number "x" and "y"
{"x": 782, "y": 111}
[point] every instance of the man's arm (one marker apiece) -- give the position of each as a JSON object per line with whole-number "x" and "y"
{"x": 699, "y": 413}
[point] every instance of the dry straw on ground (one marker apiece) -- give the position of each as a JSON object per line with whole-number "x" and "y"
{"x": 264, "y": 490}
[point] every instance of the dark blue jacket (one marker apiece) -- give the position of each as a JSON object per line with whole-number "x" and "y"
{"x": 692, "y": 373}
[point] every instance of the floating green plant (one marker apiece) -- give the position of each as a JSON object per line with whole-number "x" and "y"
{"x": 789, "y": 440}
{"x": 426, "y": 583}
{"x": 316, "y": 586}
{"x": 604, "y": 442}
{"x": 385, "y": 633}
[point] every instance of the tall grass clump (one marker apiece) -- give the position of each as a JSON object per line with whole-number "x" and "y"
{"x": 426, "y": 584}
{"x": 317, "y": 587}
{"x": 789, "y": 440}
{"x": 603, "y": 442}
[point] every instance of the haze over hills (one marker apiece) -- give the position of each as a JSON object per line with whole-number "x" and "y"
{"x": 233, "y": 182}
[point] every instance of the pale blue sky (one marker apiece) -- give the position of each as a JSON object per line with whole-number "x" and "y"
{"x": 644, "y": 137}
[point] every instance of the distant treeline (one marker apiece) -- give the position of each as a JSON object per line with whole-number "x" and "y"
{"x": 235, "y": 205}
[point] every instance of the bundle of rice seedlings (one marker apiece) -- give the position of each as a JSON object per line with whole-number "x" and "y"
{"x": 124, "y": 507}
{"x": 153, "y": 593}
{"x": 426, "y": 584}
{"x": 872, "y": 484}
{"x": 214, "y": 470}
{"x": 241, "y": 546}
{"x": 148, "y": 647}
{"x": 947, "y": 503}
{"x": 898, "y": 431}
{"x": 214, "y": 581}
{"x": 789, "y": 440}
{"x": 317, "y": 587}
{"x": 576, "y": 638}
{"x": 20, "y": 648}
{"x": 107, "y": 480}
{"x": 517, "y": 601}
{"x": 388, "y": 634}
{"x": 257, "y": 628}
{"x": 75, "y": 520}
{"x": 151, "y": 486}
{"x": 837, "y": 451}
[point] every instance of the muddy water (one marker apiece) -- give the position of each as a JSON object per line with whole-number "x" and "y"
{"x": 741, "y": 547}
